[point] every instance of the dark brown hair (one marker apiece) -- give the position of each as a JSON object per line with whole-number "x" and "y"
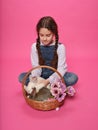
{"x": 49, "y": 23}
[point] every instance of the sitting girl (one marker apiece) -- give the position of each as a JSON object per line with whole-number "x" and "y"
{"x": 47, "y": 50}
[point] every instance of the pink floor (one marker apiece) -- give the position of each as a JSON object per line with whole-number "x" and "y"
{"x": 78, "y": 29}
{"x": 80, "y": 112}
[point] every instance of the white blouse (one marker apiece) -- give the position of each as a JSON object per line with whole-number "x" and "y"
{"x": 62, "y": 65}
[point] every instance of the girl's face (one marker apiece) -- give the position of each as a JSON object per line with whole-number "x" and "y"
{"x": 46, "y": 36}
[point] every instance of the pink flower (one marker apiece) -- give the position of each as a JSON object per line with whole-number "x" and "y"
{"x": 55, "y": 91}
{"x": 58, "y": 90}
{"x": 62, "y": 86}
{"x": 61, "y": 96}
{"x": 71, "y": 91}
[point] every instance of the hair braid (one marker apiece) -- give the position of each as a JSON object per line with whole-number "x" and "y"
{"x": 54, "y": 62}
{"x": 41, "y": 60}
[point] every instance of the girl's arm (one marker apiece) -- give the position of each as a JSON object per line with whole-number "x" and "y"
{"x": 34, "y": 62}
{"x": 62, "y": 65}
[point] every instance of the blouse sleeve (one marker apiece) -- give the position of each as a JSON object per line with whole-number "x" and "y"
{"x": 34, "y": 61}
{"x": 62, "y": 65}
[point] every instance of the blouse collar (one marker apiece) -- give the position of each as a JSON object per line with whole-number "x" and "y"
{"x": 49, "y": 44}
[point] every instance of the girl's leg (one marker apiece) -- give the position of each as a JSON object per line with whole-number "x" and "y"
{"x": 70, "y": 79}
{"x": 21, "y": 76}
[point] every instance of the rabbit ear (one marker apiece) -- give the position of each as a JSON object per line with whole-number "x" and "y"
{"x": 33, "y": 94}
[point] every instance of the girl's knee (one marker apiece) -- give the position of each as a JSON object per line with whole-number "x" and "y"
{"x": 70, "y": 78}
{"x": 21, "y": 76}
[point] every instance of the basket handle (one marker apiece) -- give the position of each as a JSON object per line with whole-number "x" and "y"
{"x": 42, "y": 66}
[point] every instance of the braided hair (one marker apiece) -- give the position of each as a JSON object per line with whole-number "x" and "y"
{"x": 49, "y": 23}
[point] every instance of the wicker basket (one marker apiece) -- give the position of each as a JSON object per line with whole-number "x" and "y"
{"x": 42, "y": 105}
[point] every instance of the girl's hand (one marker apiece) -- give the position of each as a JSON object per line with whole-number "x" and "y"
{"x": 41, "y": 84}
{"x": 45, "y": 82}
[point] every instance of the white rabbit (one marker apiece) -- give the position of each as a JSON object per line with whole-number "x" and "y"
{"x": 35, "y": 82}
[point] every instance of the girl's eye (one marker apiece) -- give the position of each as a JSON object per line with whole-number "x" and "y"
{"x": 41, "y": 35}
{"x": 48, "y": 35}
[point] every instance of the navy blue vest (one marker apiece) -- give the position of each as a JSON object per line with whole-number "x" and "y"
{"x": 47, "y": 54}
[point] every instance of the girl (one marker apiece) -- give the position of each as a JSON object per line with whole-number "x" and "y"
{"x": 48, "y": 51}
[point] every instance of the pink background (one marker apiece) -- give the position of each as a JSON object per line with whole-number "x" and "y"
{"x": 78, "y": 27}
